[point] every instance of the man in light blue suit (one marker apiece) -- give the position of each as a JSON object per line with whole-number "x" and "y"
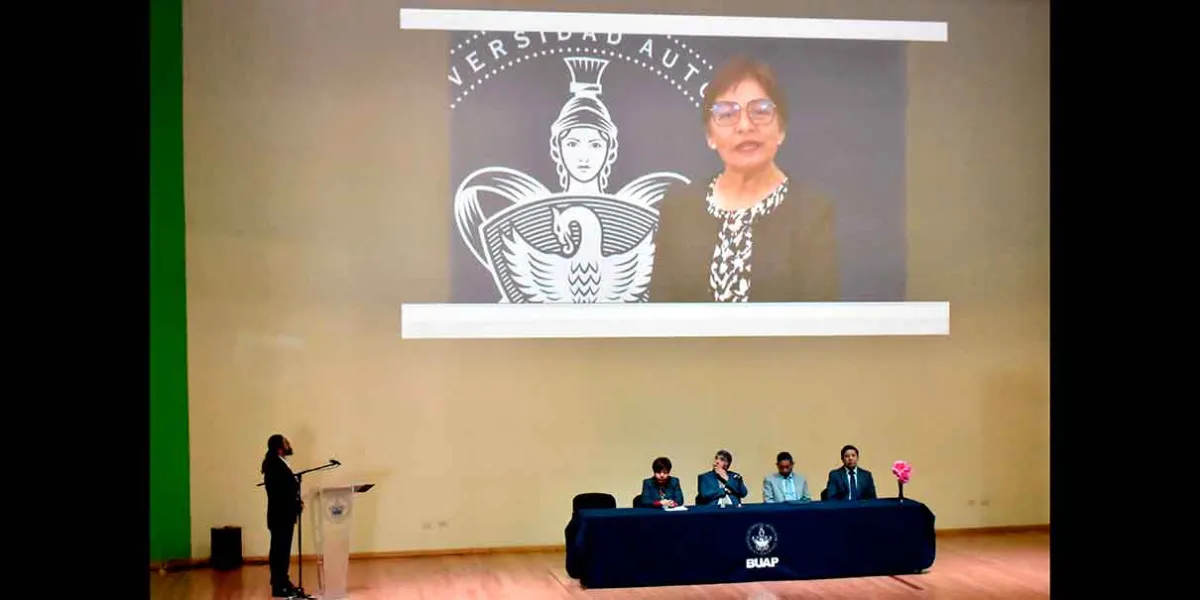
{"x": 786, "y": 485}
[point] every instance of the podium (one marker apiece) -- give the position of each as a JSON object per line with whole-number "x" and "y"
{"x": 332, "y": 521}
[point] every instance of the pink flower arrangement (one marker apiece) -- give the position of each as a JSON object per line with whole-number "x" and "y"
{"x": 902, "y": 470}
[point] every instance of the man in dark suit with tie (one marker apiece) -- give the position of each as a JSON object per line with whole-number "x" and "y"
{"x": 283, "y": 510}
{"x": 849, "y": 482}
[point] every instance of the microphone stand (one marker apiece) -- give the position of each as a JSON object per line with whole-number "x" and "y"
{"x": 299, "y": 592}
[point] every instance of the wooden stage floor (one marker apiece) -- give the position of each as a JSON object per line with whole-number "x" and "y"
{"x": 973, "y": 566}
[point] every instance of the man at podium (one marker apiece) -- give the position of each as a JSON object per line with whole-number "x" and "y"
{"x": 283, "y": 510}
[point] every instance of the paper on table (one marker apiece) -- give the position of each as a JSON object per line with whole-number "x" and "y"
{"x": 674, "y": 508}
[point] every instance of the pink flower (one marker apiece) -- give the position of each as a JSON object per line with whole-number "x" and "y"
{"x": 902, "y": 470}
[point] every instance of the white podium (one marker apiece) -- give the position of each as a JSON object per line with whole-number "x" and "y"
{"x": 332, "y": 521}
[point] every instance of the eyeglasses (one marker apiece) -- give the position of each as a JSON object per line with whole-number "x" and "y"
{"x": 727, "y": 113}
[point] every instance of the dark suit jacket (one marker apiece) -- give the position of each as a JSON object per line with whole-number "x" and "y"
{"x": 795, "y": 249}
{"x": 711, "y": 488}
{"x": 283, "y": 499}
{"x": 838, "y": 485}
{"x": 649, "y": 497}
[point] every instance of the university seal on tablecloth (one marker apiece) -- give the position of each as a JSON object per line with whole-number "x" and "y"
{"x": 762, "y": 539}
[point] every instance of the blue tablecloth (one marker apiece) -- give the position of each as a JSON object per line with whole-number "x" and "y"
{"x": 630, "y": 547}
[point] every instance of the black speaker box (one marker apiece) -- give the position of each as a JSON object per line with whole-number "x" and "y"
{"x": 226, "y": 548}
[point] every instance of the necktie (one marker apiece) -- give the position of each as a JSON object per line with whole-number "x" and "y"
{"x": 853, "y": 486}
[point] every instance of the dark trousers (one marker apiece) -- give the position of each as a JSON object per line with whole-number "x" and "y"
{"x": 281, "y": 555}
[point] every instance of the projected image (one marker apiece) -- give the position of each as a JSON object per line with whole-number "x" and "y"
{"x": 611, "y": 168}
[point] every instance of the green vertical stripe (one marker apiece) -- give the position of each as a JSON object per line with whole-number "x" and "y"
{"x": 170, "y": 502}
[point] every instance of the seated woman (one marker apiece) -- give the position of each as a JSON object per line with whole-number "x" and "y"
{"x": 662, "y": 490}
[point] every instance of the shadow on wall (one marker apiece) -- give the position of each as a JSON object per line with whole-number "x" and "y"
{"x": 304, "y": 441}
{"x": 366, "y": 509}
{"x": 366, "y": 506}
{"x": 1015, "y": 449}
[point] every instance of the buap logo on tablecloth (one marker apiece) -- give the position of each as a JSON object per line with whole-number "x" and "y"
{"x": 575, "y": 240}
{"x": 762, "y": 539}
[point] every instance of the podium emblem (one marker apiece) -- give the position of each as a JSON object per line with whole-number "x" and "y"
{"x": 338, "y": 510}
{"x": 761, "y": 539}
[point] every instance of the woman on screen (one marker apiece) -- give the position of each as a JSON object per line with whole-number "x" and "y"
{"x": 749, "y": 214}
{"x": 661, "y": 490}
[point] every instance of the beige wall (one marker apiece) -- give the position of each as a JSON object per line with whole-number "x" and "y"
{"x": 316, "y": 137}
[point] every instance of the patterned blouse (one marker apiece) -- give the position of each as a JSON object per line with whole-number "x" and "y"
{"x": 729, "y": 275}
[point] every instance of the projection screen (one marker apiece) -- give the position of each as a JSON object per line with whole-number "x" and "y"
{"x": 572, "y": 133}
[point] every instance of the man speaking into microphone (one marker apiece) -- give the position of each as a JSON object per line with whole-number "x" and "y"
{"x": 720, "y": 485}
{"x": 283, "y": 510}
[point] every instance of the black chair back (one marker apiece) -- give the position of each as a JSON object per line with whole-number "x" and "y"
{"x": 825, "y": 494}
{"x": 593, "y": 500}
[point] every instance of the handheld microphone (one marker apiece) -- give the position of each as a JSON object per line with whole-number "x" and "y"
{"x": 334, "y": 462}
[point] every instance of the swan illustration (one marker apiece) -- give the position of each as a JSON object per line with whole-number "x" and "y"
{"x": 581, "y": 274}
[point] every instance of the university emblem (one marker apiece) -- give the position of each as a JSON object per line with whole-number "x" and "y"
{"x": 761, "y": 539}
{"x": 574, "y": 240}
{"x": 338, "y": 510}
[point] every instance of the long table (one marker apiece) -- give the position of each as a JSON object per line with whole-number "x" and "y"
{"x": 634, "y": 547}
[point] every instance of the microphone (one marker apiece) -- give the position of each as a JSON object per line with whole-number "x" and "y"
{"x": 334, "y": 462}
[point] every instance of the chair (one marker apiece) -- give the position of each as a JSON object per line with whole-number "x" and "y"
{"x": 825, "y": 494}
{"x": 699, "y": 500}
{"x": 580, "y": 502}
{"x": 592, "y": 500}
{"x": 637, "y": 501}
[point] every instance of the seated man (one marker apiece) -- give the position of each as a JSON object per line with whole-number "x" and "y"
{"x": 662, "y": 490}
{"x": 849, "y": 482}
{"x": 786, "y": 485}
{"x": 720, "y": 485}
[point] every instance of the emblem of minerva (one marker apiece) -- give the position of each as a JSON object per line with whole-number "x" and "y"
{"x": 580, "y": 245}
{"x": 762, "y": 541}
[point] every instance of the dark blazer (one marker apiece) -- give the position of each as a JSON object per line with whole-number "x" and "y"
{"x": 711, "y": 488}
{"x": 838, "y": 485}
{"x": 795, "y": 249}
{"x": 649, "y": 497}
{"x": 283, "y": 494}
